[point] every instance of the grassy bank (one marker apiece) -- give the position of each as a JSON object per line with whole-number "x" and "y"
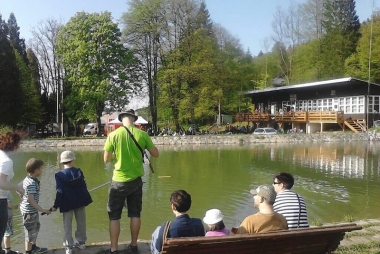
{"x": 365, "y": 241}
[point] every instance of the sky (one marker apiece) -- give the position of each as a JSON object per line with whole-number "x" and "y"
{"x": 248, "y": 20}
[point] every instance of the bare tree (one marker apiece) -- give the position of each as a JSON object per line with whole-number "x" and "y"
{"x": 43, "y": 44}
{"x": 287, "y": 36}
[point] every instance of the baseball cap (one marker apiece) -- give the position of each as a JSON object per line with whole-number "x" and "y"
{"x": 265, "y": 191}
{"x": 67, "y": 156}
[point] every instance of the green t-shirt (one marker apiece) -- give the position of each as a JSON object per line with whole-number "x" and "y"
{"x": 129, "y": 163}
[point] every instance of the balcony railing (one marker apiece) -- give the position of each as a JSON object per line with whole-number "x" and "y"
{"x": 298, "y": 116}
{"x": 326, "y": 116}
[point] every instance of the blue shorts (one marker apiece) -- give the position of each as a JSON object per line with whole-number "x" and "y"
{"x": 125, "y": 194}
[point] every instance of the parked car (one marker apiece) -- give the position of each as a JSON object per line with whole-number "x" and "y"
{"x": 264, "y": 131}
{"x": 91, "y": 129}
{"x": 376, "y": 123}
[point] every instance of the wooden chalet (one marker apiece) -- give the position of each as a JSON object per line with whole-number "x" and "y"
{"x": 317, "y": 106}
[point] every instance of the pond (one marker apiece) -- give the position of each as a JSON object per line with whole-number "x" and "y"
{"x": 337, "y": 180}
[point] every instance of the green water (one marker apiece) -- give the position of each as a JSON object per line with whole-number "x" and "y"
{"x": 336, "y": 180}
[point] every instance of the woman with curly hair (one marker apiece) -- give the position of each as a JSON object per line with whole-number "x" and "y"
{"x": 9, "y": 142}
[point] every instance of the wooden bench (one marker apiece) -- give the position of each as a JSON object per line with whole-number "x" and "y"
{"x": 314, "y": 240}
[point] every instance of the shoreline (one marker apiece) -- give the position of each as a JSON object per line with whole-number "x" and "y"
{"x": 367, "y": 236}
{"x": 226, "y": 139}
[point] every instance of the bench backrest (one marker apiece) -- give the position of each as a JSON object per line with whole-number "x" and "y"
{"x": 315, "y": 240}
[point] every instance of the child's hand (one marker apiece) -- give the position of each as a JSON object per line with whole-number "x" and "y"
{"x": 44, "y": 211}
{"x": 53, "y": 209}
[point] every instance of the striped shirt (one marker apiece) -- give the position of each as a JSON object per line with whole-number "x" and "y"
{"x": 31, "y": 185}
{"x": 288, "y": 204}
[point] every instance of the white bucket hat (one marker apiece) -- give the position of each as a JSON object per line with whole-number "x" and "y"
{"x": 213, "y": 216}
{"x": 67, "y": 156}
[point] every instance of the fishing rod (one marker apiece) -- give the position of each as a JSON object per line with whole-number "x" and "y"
{"x": 98, "y": 187}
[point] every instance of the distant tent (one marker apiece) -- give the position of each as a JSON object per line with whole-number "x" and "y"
{"x": 115, "y": 121}
{"x": 141, "y": 120}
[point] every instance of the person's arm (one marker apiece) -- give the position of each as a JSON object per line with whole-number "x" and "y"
{"x": 108, "y": 156}
{"x": 154, "y": 151}
{"x": 6, "y": 185}
{"x": 159, "y": 237}
{"x": 33, "y": 202}
{"x": 59, "y": 193}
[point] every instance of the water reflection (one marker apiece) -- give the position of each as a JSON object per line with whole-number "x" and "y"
{"x": 336, "y": 179}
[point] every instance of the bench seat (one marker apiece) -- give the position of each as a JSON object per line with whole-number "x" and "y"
{"x": 314, "y": 240}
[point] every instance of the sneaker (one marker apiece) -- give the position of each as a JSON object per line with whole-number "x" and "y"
{"x": 69, "y": 250}
{"x": 11, "y": 252}
{"x": 111, "y": 252}
{"x": 81, "y": 246}
{"x": 38, "y": 250}
{"x": 132, "y": 249}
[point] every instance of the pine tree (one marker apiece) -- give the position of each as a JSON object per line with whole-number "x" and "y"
{"x": 341, "y": 25}
{"x": 34, "y": 70}
{"x": 10, "y": 86}
{"x": 203, "y": 19}
{"x": 14, "y": 37}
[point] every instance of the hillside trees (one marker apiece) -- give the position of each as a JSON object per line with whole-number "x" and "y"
{"x": 341, "y": 25}
{"x": 287, "y": 37}
{"x": 357, "y": 65}
{"x": 97, "y": 66}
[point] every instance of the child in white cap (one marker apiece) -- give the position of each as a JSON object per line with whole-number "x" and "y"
{"x": 214, "y": 220}
{"x": 72, "y": 197}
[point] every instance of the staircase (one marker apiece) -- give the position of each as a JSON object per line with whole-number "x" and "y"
{"x": 356, "y": 126}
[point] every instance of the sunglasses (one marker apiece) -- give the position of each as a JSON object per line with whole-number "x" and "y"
{"x": 276, "y": 183}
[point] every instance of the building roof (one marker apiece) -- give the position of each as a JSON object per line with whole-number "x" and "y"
{"x": 342, "y": 81}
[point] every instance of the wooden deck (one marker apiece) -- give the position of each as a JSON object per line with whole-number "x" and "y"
{"x": 294, "y": 117}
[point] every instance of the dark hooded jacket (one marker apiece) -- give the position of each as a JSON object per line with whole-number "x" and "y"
{"x": 72, "y": 190}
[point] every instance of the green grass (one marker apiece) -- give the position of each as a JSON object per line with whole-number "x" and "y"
{"x": 371, "y": 224}
{"x": 348, "y": 218}
{"x": 316, "y": 222}
{"x": 5, "y": 129}
{"x": 369, "y": 248}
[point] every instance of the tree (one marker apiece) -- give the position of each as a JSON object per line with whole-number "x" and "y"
{"x": 358, "y": 63}
{"x": 97, "y": 66}
{"x": 287, "y": 28}
{"x": 30, "y": 99}
{"x": 14, "y": 37}
{"x": 34, "y": 70}
{"x": 153, "y": 29}
{"x": 51, "y": 73}
{"x": 10, "y": 85}
{"x": 342, "y": 34}
{"x": 312, "y": 29}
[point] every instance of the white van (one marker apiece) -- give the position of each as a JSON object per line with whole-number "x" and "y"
{"x": 91, "y": 129}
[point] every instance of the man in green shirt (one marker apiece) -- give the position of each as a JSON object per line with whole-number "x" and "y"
{"x": 126, "y": 185}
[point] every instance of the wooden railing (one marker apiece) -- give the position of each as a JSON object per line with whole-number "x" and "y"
{"x": 298, "y": 116}
{"x": 326, "y": 116}
{"x": 260, "y": 117}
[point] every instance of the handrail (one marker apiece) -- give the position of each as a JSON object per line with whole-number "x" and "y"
{"x": 298, "y": 116}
